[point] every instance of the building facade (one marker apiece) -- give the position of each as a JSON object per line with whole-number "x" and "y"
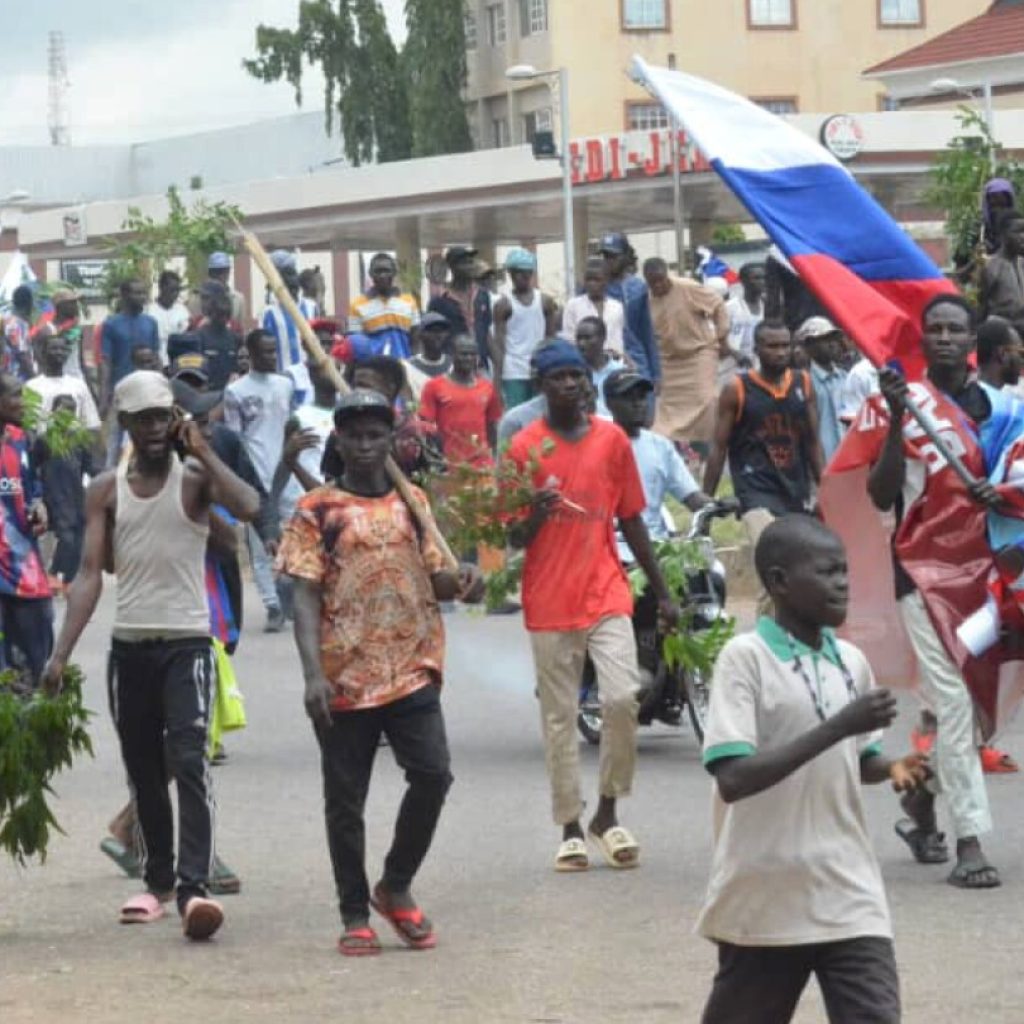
{"x": 791, "y": 55}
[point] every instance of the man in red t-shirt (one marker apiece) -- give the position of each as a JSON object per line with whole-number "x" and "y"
{"x": 577, "y": 599}
{"x": 464, "y": 407}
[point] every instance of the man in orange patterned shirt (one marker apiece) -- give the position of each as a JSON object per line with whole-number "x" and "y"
{"x": 369, "y": 632}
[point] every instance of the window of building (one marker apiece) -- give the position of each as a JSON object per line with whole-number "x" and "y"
{"x": 536, "y": 121}
{"x": 900, "y": 12}
{"x": 777, "y": 104}
{"x": 470, "y": 22}
{"x": 533, "y": 17}
{"x": 496, "y": 24}
{"x": 646, "y": 117}
{"x": 499, "y": 132}
{"x": 644, "y": 15}
{"x": 771, "y": 13}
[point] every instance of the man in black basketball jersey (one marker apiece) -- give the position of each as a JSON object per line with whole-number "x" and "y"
{"x": 767, "y": 425}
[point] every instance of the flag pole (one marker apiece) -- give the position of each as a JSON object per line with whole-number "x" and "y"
{"x": 328, "y": 367}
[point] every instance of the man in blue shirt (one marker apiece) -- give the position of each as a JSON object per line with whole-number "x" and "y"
{"x": 823, "y": 342}
{"x": 640, "y": 343}
{"x": 120, "y": 335}
{"x": 662, "y": 469}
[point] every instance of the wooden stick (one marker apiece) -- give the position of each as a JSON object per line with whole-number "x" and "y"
{"x": 330, "y": 369}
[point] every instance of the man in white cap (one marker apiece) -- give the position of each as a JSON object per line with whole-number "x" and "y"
{"x": 218, "y": 271}
{"x": 823, "y": 342}
{"x": 291, "y": 359}
{"x": 151, "y": 517}
{"x": 523, "y": 317}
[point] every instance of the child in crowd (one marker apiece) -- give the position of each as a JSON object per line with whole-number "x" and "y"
{"x": 793, "y": 730}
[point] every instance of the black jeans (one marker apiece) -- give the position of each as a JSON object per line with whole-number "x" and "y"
{"x": 763, "y": 984}
{"x": 414, "y": 726}
{"x": 27, "y": 629}
{"x": 160, "y": 694}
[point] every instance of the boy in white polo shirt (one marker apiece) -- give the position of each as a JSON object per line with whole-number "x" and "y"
{"x": 793, "y": 730}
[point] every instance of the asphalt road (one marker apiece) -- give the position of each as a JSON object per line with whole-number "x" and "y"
{"x": 518, "y": 942}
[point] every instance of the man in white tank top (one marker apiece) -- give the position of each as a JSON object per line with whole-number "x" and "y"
{"x": 150, "y": 518}
{"x": 523, "y": 318}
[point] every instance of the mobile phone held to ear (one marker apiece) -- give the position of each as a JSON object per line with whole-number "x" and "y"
{"x": 179, "y": 416}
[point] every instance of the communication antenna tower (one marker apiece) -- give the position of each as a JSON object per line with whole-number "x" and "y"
{"x": 59, "y": 114}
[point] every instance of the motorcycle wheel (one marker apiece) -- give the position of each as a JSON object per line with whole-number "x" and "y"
{"x": 588, "y": 719}
{"x": 698, "y": 696}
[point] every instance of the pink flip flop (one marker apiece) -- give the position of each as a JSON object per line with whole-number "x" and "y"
{"x": 142, "y": 909}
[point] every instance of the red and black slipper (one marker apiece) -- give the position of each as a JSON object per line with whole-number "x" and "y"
{"x": 359, "y": 942}
{"x": 411, "y": 925}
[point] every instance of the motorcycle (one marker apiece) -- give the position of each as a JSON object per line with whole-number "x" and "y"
{"x": 664, "y": 692}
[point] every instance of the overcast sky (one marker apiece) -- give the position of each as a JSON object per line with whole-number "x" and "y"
{"x": 141, "y": 70}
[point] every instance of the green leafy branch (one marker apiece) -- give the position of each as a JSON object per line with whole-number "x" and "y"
{"x": 190, "y": 232}
{"x": 60, "y": 430}
{"x": 686, "y": 648}
{"x": 39, "y": 737}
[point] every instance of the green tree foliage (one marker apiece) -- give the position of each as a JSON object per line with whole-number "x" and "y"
{"x": 192, "y": 233}
{"x": 435, "y": 64}
{"x": 363, "y": 77}
{"x": 39, "y": 737}
{"x": 390, "y": 106}
{"x": 970, "y": 159}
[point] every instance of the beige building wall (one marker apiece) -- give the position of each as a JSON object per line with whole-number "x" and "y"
{"x": 817, "y": 64}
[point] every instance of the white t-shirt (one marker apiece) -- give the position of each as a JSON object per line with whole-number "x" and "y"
{"x": 613, "y": 314}
{"x": 257, "y": 407}
{"x": 168, "y": 321}
{"x": 861, "y": 383}
{"x": 743, "y": 318}
{"x": 321, "y": 421}
{"x": 792, "y": 865}
{"x": 50, "y": 388}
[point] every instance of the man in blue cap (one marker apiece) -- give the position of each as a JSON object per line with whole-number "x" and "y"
{"x": 630, "y": 290}
{"x": 577, "y": 599}
{"x": 523, "y": 318}
{"x": 291, "y": 359}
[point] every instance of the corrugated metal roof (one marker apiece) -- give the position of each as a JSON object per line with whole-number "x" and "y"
{"x": 999, "y": 32}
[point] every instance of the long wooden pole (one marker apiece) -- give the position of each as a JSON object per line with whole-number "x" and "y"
{"x": 330, "y": 369}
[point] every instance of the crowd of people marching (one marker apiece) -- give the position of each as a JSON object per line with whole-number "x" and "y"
{"x": 645, "y": 384}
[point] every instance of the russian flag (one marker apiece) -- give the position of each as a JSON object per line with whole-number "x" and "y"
{"x": 869, "y": 274}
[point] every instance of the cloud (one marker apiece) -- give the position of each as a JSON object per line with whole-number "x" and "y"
{"x": 140, "y": 81}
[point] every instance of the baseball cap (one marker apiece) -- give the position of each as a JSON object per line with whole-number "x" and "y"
{"x": 283, "y": 259}
{"x": 143, "y": 389}
{"x": 520, "y": 259}
{"x": 64, "y": 295}
{"x": 431, "y": 320}
{"x": 195, "y": 403}
{"x": 362, "y": 401}
{"x": 218, "y": 261}
{"x": 559, "y": 355}
{"x": 614, "y": 242}
{"x": 815, "y": 327}
{"x": 190, "y": 364}
{"x": 620, "y": 382}
{"x": 458, "y": 252}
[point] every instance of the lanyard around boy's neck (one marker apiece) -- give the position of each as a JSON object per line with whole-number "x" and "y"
{"x": 815, "y": 690}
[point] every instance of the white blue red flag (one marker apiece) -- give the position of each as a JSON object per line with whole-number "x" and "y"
{"x": 854, "y": 257}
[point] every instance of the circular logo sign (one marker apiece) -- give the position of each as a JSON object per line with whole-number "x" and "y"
{"x": 842, "y": 136}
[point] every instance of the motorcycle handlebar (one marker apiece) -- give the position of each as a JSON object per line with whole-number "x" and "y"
{"x": 703, "y": 518}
